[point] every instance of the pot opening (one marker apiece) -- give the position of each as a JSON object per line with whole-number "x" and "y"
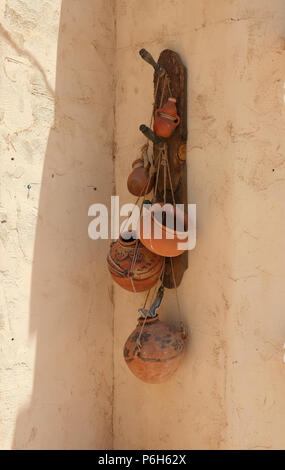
{"x": 129, "y": 237}
{"x": 148, "y": 320}
{"x": 171, "y": 218}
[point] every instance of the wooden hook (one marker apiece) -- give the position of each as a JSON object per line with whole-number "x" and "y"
{"x": 145, "y": 55}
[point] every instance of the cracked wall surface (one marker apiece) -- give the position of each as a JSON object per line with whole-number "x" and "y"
{"x": 73, "y": 93}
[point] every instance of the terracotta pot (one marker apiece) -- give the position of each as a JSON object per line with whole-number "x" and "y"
{"x": 166, "y": 119}
{"x": 161, "y": 352}
{"x": 138, "y": 163}
{"x": 153, "y": 225}
{"x": 139, "y": 180}
{"x": 146, "y": 270}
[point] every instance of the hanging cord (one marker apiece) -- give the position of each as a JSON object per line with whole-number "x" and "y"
{"x": 169, "y": 85}
{"x": 138, "y": 341}
{"x": 164, "y": 161}
{"x": 134, "y": 260}
{"x": 171, "y": 261}
{"x": 157, "y": 174}
{"x": 161, "y": 277}
{"x": 163, "y": 91}
{"x": 138, "y": 345}
{"x": 153, "y": 107}
{"x": 130, "y": 274}
{"x": 136, "y": 203}
{"x": 170, "y": 181}
{"x": 183, "y": 330}
{"x": 162, "y": 155}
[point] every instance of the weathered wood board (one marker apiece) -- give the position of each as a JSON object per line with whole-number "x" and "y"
{"x": 172, "y": 64}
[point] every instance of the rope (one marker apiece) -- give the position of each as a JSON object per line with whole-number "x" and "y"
{"x": 162, "y": 159}
{"x": 153, "y": 106}
{"x": 138, "y": 341}
{"x": 162, "y": 280}
{"x": 146, "y": 299}
{"x": 177, "y": 299}
{"x": 164, "y": 182}
{"x": 162, "y": 94}
{"x": 157, "y": 173}
{"x": 170, "y": 181}
{"x": 169, "y": 86}
{"x": 155, "y": 95}
{"x": 134, "y": 260}
{"x": 136, "y": 203}
{"x": 131, "y": 271}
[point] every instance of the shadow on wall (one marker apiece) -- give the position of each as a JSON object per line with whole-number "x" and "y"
{"x": 71, "y": 302}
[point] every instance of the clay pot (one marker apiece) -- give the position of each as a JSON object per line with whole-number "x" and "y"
{"x": 139, "y": 180}
{"x": 161, "y": 352}
{"x": 166, "y": 119}
{"x": 146, "y": 270}
{"x": 158, "y": 231}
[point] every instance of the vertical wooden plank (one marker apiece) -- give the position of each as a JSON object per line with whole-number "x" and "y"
{"x": 172, "y": 64}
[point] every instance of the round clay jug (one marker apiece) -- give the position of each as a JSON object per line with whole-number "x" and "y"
{"x": 161, "y": 229}
{"x": 140, "y": 181}
{"x": 146, "y": 270}
{"x": 161, "y": 351}
{"x": 166, "y": 119}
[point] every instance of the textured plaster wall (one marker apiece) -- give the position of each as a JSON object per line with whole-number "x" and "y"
{"x": 56, "y": 124}
{"x": 229, "y": 392}
{"x": 58, "y": 65}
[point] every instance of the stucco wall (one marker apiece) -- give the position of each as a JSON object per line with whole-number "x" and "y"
{"x": 229, "y": 391}
{"x": 58, "y": 65}
{"x": 56, "y": 112}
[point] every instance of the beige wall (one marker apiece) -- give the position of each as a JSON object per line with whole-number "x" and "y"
{"x": 56, "y": 126}
{"x": 230, "y": 390}
{"x": 58, "y": 64}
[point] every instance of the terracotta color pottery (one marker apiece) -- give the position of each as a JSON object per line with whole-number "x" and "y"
{"x": 166, "y": 119}
{"x": 139, "y": 181}
{"x": 161, "y": 352}
{"x": 146, "y": 270}
{"x": 160, "y": 232}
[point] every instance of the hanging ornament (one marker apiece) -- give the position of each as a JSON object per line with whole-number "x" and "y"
{"x": 132, "y": 265}
{"x": 154, "y": 350}
{"x": 162, "y": 231}
{"x": 166, "y": 119}
{"x": 141, "y": 179}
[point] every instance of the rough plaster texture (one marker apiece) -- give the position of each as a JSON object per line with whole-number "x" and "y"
{"x": 55, "y": 307}
{"x": 58, "y": 64}
{"x": 229, "y": 393}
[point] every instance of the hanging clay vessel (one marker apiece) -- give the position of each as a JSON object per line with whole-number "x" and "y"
{"x": 136, "y": 276}
{"x": 161, "y": 351}
{"x": 164, "y": 231}
{"x": 140, "y": 180}
{"x": 166, "y": 119}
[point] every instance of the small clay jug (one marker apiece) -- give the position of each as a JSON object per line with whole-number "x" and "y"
{"x": 140, "y": 180}
{"x": 160, "y": 353}
{"x": 137, "y": 276}
{"x": 166, "y": 119}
